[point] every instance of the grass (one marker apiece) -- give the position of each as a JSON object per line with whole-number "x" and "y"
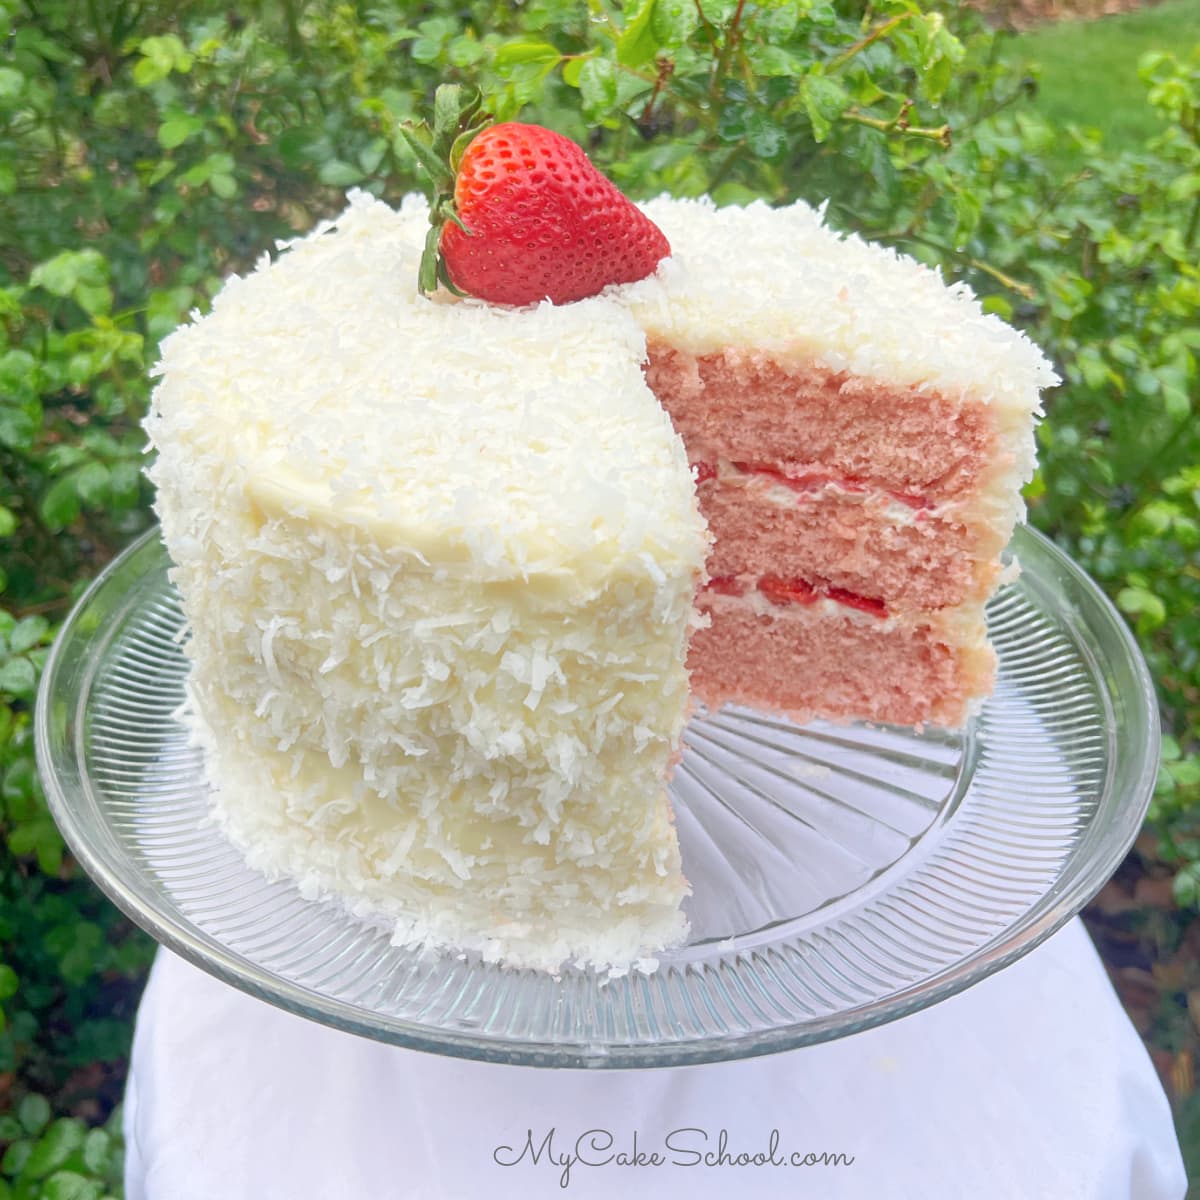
{"x": 1088, "y": 69}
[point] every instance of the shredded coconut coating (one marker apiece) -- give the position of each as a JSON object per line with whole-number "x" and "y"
{"x": 438, "y": 563}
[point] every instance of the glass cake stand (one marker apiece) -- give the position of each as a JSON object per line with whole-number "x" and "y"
{"x": 842, "y": 876}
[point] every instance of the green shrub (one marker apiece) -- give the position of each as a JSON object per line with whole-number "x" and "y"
{"x": 61, "y": 1159}
{"x": 148, "y": 150}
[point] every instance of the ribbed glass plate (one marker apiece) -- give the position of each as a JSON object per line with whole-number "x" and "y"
{"x": 842, "y": 875}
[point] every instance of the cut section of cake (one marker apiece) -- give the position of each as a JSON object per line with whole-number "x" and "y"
{"x": 860, "y": 433}
{"x": 438, "y": 563}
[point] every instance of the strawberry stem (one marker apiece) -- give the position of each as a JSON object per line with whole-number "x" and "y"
{"x": 458, "y": 116}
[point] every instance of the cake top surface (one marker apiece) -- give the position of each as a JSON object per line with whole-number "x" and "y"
{"x": 778, "y": 281}
{"x": 512, "y": 442}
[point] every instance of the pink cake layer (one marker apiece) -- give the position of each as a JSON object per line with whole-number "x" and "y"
{"x": 854, "y": 536}
{"x": 744, "y": 406}
{"x": 814, "y": 660}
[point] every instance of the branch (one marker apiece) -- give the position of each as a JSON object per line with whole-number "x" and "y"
{"x": 871, "y": 38}
{"x": 1024, "y": 290}
{"x": 666, "y": 68}
{"x": 708, "y": 25}
{"x": 940, "y": 134}
{"x": 731, "y": 37}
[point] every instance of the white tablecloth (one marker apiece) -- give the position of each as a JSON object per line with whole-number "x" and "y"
{"x": 1031, "y": 1084}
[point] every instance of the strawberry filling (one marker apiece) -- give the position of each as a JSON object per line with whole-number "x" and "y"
{"x": 783, "y": 592}
{"x": 867, "y": 604}
{"x": 787, "y": 591}
{"x": 812, "y": 480}
{"x": 725, "y": 585}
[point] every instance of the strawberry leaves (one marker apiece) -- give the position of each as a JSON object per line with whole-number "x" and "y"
{"x": 458, "y": 116}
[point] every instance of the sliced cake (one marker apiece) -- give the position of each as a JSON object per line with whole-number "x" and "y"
{"x": 441, "y": 559}
{"x": 860, "y": 433}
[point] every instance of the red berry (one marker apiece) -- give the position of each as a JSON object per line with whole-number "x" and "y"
{"x": 787, "y": 591}
{"x": 543, "y": 222}
{"x": 867, "y": 604}
{"x": 725, "y": 585}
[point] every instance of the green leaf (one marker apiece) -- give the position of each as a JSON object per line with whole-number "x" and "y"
{"x": 62, "y": 274}
{"x": 336, "y": 173}
{"x": 34, "y": 1113}
{"x": 1000, "y": 305}
{"x": 426, "y": 50}
{"x": 59, "y": 505}
{"x": 70, "y": 1185}
{"x": 1186, "y": 773}
{"x": 97, "y": 1148}
{"x": 16, "y": 1156}
{"x": 1184, "y": 187}
{"x": 224, "y": 186}
{"x": 968, "y": 209}
{"x": 598, "y": 87}
{"x": 465, "y": 51}
{"x": 20, "y": 789}
{"x": 438, "y": 171}
{"x": 1186, "y": 886}
{"x": 80, "y": 959}
{"x": 27, "y": 633}
{"x": 8, "y": 987}
{"x": 80, "y": 274}
{"x": 824, "y": 100}
{"x": 776, "y": 61}
{"x": 572, "y": 69}
{"x": 18, "y": 678}
{"x": 55, "y": 1146}
{"x": 25, "y": 839}
{"x": 17, "y": 426}
{"x": 94, "y": 300}
{"x": 178, "y": 129}
{"x": 637, "y": 44}
{"x": 91, "y": 482}
{"x": 1141, "y": 603}
{"x": 674, "y": 21}
{"x": 41, "y": 840}
{"x": 296, "y": 145}
{"x": 12, "y": 84}
{"x": 48, "y": 850}
{"x": 512, "y": 53}
{"x": 160, "y": 57}
{"x": 8, "y": 522}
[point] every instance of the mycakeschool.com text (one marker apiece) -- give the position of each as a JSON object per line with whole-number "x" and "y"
{"x": 569, "y": 1153}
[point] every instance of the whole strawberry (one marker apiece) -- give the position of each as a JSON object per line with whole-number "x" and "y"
{"x": 521, "y": 215}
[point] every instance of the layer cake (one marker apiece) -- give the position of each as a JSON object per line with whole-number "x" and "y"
{"x": 441, "y": 560}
